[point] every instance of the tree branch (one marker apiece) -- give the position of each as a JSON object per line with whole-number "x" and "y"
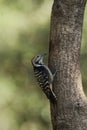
{"x": 64, "y": 55}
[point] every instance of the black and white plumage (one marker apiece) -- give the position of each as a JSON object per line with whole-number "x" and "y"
{"x": 44, "y": 76}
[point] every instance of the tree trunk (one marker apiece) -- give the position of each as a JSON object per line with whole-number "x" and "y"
{"x": 70, "y": 111}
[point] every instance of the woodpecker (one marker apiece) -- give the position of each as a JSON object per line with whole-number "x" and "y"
{"x": 44, "y": 76}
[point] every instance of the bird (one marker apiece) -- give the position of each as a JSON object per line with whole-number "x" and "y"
{"x": 44, "y": 76}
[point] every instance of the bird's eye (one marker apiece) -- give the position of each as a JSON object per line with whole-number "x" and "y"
{"x": 37, "y": 56}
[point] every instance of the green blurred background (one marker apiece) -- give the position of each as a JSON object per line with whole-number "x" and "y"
{"x": 24, "y": 32}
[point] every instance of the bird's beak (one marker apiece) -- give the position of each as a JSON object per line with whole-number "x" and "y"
{"x": 43, "y": 55}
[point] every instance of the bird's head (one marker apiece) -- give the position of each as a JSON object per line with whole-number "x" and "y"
{"x": 38, "y": 60}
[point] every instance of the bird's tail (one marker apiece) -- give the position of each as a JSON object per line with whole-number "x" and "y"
{"x": 51, "y": 96}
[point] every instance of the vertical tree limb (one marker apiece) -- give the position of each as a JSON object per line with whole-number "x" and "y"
{"x": 70, "y": 112}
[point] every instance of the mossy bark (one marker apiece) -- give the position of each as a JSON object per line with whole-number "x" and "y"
{"x": 70, "y": 111}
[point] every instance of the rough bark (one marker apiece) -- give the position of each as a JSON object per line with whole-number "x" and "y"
{"x": 70, "y": 111}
